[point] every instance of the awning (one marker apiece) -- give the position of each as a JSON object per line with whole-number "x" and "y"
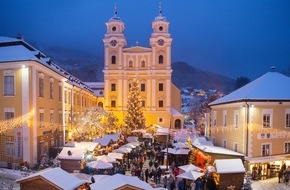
{"x": 266, "y": 159}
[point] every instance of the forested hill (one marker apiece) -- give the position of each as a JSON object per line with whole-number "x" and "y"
{"x": 185, "y": 75}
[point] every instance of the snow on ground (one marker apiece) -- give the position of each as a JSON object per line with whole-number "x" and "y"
{"x": 269, "y": 184}
{"x": 8, "y": 177}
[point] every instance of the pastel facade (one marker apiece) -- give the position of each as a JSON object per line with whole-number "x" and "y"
{"x": 38, "y": 99}
{"x": 150, "y": 66}
{"x": 255, "y": 121}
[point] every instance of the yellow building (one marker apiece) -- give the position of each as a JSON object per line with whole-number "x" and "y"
{"x": 37, "y": 101}
{"x": 255, "y": 121}
{"x": 150, "y": 66}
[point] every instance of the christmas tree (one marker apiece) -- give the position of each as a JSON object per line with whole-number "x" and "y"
{"x": 134, "y": 118}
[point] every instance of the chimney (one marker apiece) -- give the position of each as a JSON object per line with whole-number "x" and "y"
{"x": 273, "y": 68}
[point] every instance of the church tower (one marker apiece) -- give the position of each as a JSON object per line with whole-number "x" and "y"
{"x": 151, "y": 66}
{"x": 114, "y": 42}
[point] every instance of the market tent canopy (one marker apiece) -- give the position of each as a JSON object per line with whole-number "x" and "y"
{"x": 229, "y": 166}
{"x": 119, "y": 181}
{"x": 116, "y": 155}
{"x": 190, "y": 167}
{"x": 132, "y": 139}
{"x": 99, "y": 164}
{"x": 106, "y": 158}
{"x": 191, "y": 175}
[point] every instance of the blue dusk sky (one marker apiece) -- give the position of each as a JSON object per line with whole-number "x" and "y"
{"x": 229, "y": 37}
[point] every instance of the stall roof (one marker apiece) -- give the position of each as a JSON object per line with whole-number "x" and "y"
{"x": 218, "y": 150}
{"x": 118, "y": 180}
{"x": 229, "y": 166}
{"x": 76, "y": 153}
{"x": 56, "y": 176}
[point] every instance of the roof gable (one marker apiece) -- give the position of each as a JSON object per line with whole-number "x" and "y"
{"x": 137, "y": 49}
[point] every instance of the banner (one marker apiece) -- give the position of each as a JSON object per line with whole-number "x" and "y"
{"x": 18, "y": 143}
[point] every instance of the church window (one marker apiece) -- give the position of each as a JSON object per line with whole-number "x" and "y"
{"x": 143, "y": 63}
{"x": 143, "y": 87}
{"x": 113, "y": 61}
{"x": 113, "y": 87}
{"x": 160, "y": 59}
{"x": 113, "y": 103}
{"x": 160, "y": 86}
{"x": 160, "y": 103}
{"x": 130, "y": 64}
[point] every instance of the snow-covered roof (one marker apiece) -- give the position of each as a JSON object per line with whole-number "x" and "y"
{"x": 162, "y": 131}
{"x": 218, "y": 150}
{"x": 90, "y": 146}
{"x": 76, "y": 153}
{"x": 272, "y": 86}
{"x": 118, "y": 180}
{"x": 13, "y": 49}
{"x": 229, "y": 166}
{"x": 175, "y": 113}
{"x": 58, "y": 177}
{"x": 201, "y": 141}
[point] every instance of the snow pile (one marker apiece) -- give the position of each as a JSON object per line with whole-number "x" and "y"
{"x": 10, "y": 174}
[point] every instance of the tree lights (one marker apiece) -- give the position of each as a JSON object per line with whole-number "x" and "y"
{"x": 10, "y": 124}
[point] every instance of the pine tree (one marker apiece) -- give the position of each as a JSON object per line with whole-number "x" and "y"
{"x": 135, "y": 118}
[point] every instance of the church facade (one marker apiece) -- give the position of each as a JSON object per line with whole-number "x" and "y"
{"x": 150, "y": 66}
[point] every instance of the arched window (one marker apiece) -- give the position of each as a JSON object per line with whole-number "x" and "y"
{"x": 130, "y": 63}
{"x": 160, "y": 59}
{"x": 113, "y": 61}
{"x": 143, "y": 63}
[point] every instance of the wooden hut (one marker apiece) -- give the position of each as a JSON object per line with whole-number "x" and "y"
{"x": 230, "y": 173}
{"x": 51, "y": 179}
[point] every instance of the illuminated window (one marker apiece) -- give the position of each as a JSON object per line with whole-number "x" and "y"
{"x": 9, "y": 148}
{"x": 235, "y": 147}
{"x": 160, "y": 59}
{"x": 113, "y": 59}
{"x": 60, "y": 117}
{"x": 8, "y": 115}
{"x": 266, "y": 121}
{"x": 287, "y": 148}
{"x": 113, "y": 87}
{"x": 60, "y": 93}
{"x": 225, "y": 143}
{"x": 160, "y": 86}
{"x": 51, "y": 117}
{"x": 69, "y": 97}
{"x": 236, "y": 119}
{"x": 224, "y": 118}
{"x": 8, "y": 85}
{"x": 41, "y": 87}
{"x": 266, "y": 148}
{"x": 287, "y": 120}
{"x": 51, "y": 89}
{"x": 143, "y": 87}
{"x": 160, "y": 103}
{"x": 41, "y": 119}
{"x": 113, "y": 103}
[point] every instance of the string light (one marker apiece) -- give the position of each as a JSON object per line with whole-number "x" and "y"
{"x": 15, "y": 122}
{"x": 254, "y": 128}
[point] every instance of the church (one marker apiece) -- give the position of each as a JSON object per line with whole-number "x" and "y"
{"x": 150, "y": 66}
